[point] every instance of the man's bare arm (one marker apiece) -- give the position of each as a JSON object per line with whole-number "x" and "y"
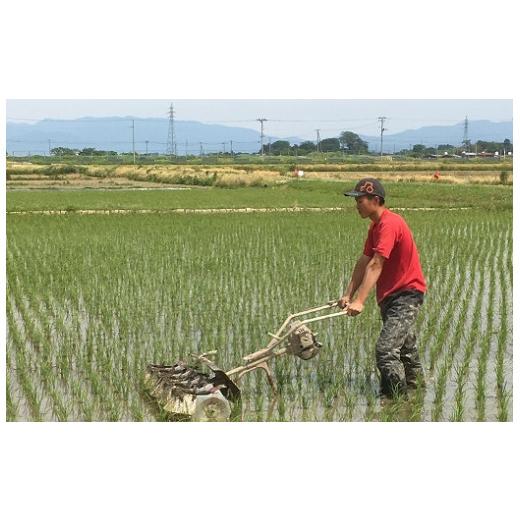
{"x": 371, "y": 275}
{"x": 355, "y": 281}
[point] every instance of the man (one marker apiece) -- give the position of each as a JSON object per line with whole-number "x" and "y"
{"x": 391, "y": 262}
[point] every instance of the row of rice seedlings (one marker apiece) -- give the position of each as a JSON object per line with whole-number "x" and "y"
{"x": 440, "y": 282}
{"x": 82, "y": 361}
{"x": 11, "y": 401}
{"x": 42, "y": 359}
{"x": 462, "y": 370}
{"x": 442, "y": 311}
{"x": 417, "y": 402}
{"x": 15, "y": 361}
{"x": 453, "y": 344}
{"x": 102, "y": 363}
{"x": 445, "y": 318}
{"x": 503, "y": 394}
{"x": 464, "y": 316}
{"x": 24, "y": 374}
{"x": 483, "y": 358}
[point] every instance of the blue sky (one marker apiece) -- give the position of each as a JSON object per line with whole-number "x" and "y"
{"x": 285, "y": 117}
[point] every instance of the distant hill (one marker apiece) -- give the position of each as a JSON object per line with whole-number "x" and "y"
{"x": 115, "y": 133}
{"x": 435, "y": 135}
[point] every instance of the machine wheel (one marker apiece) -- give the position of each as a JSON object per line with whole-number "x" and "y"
{"x": 211, "y": 407}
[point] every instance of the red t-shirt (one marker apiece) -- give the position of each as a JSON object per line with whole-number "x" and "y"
{"x": 391, "y": 238}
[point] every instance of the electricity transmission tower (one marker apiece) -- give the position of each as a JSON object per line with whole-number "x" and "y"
{"x": 466, "y": 141}
{"x": 133, "y": 139}
{"x": 171, "y": 146}
{"x": 261, "y": 121}
{"x": 381, "y": 120}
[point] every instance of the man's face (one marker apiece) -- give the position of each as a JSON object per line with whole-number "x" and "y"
{"x": 366, "y": 206}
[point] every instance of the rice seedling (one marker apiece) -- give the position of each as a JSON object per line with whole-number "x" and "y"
{"x": 11, "y": 405}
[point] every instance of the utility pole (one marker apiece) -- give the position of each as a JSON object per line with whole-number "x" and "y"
{"x": 318, "y": 140}
{"x": 146, "y": 146}
{"x": 381, "y": 120}
{"x": 171, "y": 148}
{"x": 201, "y": 150}
{"x": 261, "y": 121}
{"x": 133, "y": 139}
{"x": 231, "y": 146}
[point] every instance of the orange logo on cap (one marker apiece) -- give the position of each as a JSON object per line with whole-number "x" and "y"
{"x": 368, "y": 187}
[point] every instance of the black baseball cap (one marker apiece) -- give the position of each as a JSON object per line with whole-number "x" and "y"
{"x": 367, "y": 186}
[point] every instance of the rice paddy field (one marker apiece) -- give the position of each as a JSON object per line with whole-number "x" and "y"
{"x": 93, "y": 298}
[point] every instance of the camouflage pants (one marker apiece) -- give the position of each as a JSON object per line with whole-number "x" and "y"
{"x": 396, "y": 351}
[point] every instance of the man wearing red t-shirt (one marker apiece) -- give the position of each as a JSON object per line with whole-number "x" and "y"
{"x": 390, "y": 262}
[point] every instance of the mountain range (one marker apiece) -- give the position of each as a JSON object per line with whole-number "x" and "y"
{"x": 151, "y": 135}
{"x": 435, "y": 135}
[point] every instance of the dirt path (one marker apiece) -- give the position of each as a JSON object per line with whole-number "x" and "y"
{"x": 201, "y": 211}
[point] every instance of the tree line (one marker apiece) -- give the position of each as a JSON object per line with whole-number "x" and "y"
{"x": 420, "y": 150}
{"x": 348, "y": 143}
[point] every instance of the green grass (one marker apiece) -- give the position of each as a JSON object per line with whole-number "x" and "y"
{"x": 295, "y": 193}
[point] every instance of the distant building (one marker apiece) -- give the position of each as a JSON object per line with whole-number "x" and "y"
{"x": 481, "y": 155}
{"x": 444, "y": 155}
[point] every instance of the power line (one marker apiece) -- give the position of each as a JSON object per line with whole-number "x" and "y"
{"x": 54, "y": 143}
